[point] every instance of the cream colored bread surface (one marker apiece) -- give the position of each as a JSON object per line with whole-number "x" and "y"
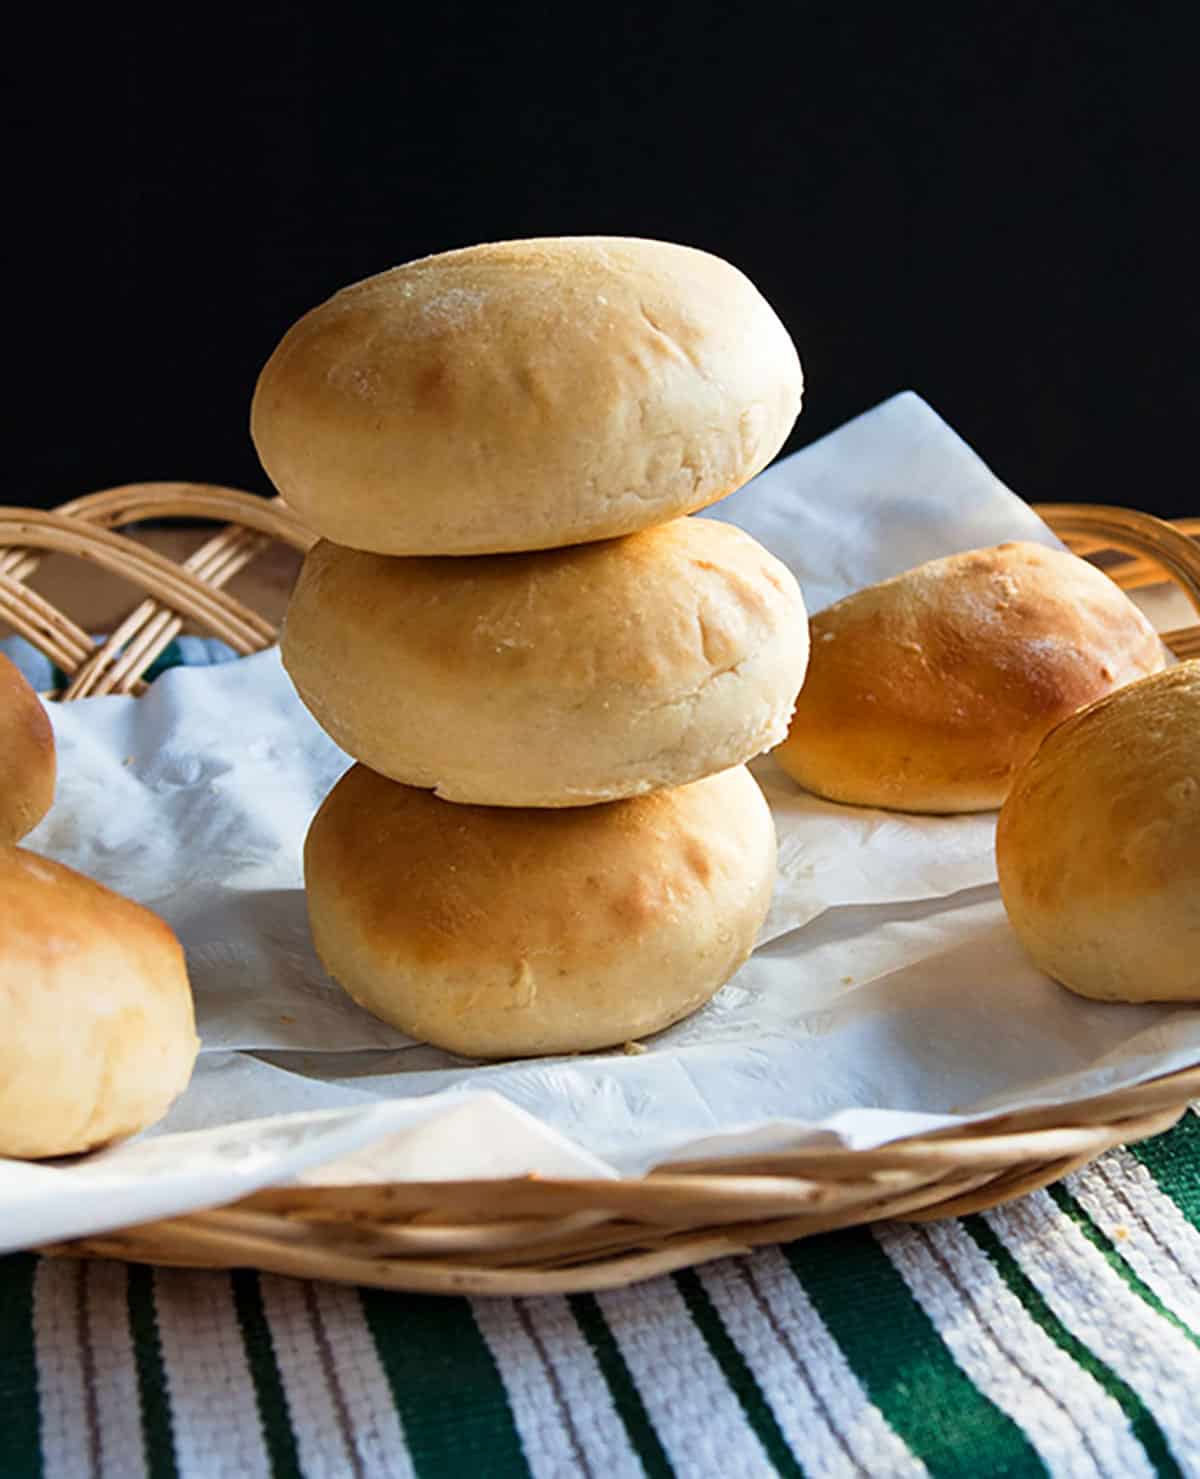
{"x": 27, "y": 756}
{"x": 97, "y": 1034}
{"x": 1098, "y": 845}
{"x": 925, "y": 693}
{"x": 498, "y": 933}
{"x": 524, "y": 395}
{"x": 552, "y": 679}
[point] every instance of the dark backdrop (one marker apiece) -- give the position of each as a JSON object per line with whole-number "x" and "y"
{"x": 994, "y": 213}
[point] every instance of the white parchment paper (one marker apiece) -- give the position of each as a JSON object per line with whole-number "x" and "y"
{"x": 887, "y": 995}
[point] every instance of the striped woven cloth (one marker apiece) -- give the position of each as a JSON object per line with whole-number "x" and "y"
{"x": 1058, "y": 1335}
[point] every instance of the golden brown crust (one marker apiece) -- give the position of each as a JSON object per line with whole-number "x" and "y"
{"x": 27, "y": 756}
{"x": 525, "y": 395}
{"x": 557, "y": 678}
{"x": 1098, "y": 845}
{"x": 494, "y": 932}
{"x": 926, "y": 692}
{"x": 97, "y": 1032}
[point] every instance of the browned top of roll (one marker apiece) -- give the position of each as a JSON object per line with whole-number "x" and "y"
{"x": 442, "y": 884}
{"x": 502, "y": 932}
{"x": 925, "y": 692}
{"x": 524, "y": 395}
{"x": 27, "y": 757}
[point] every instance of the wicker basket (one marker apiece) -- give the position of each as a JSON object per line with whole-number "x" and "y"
{"x": 533, "y": 1235}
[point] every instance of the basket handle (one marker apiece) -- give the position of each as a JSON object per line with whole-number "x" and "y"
{"x": 192, "y": 590}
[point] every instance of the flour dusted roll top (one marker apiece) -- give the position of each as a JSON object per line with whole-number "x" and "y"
{"x": 552, "y": 679}
{"x": 97, "y": 1033}
{"x": 27, "y": 756}
{"x": 499, "y": 933}
{"x": 1098, "y": 845}
{"x": 524, "y": 395}
{"x": 925, "y": 693}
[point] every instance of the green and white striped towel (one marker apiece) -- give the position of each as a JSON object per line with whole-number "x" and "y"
{"x": 1058, "y": 1335}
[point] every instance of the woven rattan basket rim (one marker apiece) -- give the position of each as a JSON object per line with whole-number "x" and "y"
{"x": 547, "y": 1236}
{"x": 538, "y": 1235}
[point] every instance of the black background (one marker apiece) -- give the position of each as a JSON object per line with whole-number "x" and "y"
{"x": 991, "y": 206}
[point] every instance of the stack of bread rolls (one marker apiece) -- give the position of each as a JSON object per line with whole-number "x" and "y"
{"x": 551, "y": 677}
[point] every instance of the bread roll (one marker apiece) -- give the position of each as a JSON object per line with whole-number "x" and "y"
{"x": 525, "y": 395}
{"x": 1098, "y": 845}
{"x": 27, "y": 760}
{"x": 552, "y": 679}
{"x": 925, "y": 693}
{"x": 97, "y": 1035}
{"x": 498, "y": 933}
